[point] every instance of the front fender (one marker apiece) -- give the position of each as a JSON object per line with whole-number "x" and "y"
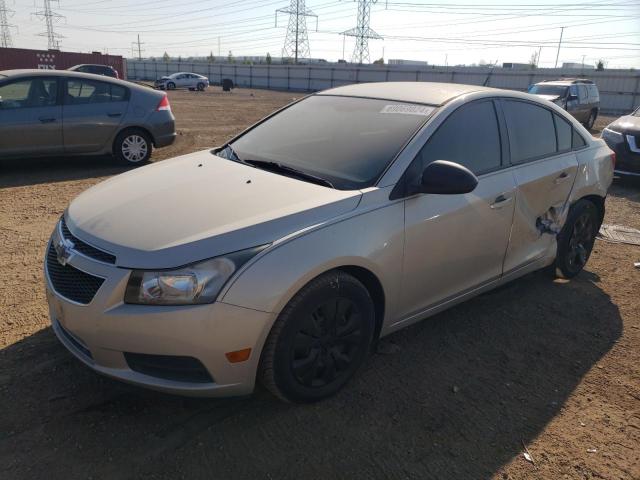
{"x": 372, "y": 240}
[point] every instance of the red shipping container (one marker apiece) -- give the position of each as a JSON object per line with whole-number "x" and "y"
{"x": 13, "y": 58}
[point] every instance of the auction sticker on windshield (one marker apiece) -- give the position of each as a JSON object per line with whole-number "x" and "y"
{"x": 408, "y": 109}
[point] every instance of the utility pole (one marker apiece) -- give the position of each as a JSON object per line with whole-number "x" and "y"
{"x": 538, "y": 57}
{"x": 138, "y": 46}
{"x": 363, "y": 32}
{"x": 559, "y": 44}
{"x": 5, "y": 26}
{"x": 296, "y": 43}
{"x": 50, "y": 17}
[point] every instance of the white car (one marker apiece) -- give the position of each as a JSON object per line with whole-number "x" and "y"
{"x": 183, "y": 80}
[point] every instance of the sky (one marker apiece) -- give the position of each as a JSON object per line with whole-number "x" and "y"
{"x": 449, "y": 32}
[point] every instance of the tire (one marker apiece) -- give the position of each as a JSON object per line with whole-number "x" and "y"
{"x": 171, "y": 86}
{"x": 576, "y": 239}
{"x": 200, "y": 87}
{"x": 320, "y": 340}
{"x": 132, "y": 147}
{"x": 591, "y": 120}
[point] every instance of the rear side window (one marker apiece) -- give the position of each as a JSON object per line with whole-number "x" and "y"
{"x": 82, "y": 92}
{"x": 582, "y": 93}
{"x": 564, "y": 132}
{"x": 577, "y": 141}
{"x": 531, "y": 131}
{"x": 469, "y": 136}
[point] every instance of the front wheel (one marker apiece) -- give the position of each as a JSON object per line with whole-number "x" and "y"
{"x": 171, "y": 86}
{"x": 576, "y": 239}
{"x": 200, "y": 87}
{"x": 133, "y": 147}
{"x": 591, "y": 120}
{"x": 319, "y": 340}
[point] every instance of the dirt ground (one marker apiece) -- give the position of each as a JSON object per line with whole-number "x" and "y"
{"x": 550, "y": 365}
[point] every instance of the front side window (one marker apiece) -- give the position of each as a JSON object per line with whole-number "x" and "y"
{"x": 531, "y": 131}
{"x": 29, "y": 93}
{"x": 582, "y": 93}
{"x": 348, "y": 141}
{"x": 470, "y": 136}
{"x": 83, "y": 92}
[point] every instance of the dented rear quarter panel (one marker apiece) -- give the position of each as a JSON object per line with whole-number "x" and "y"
{"x": 595, "y": 171}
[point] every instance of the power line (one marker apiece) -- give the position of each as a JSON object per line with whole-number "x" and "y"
{"x": 50, "y": 17}
{"x": 296, "y": 43}
{"x": 362, "y": 32}
{"x": 5, "y": 26}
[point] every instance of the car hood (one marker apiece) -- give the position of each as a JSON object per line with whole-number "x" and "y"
{"x": 627, "y": 124}
{"x": 551, "y": 98}
{"x": 198, "y": 206}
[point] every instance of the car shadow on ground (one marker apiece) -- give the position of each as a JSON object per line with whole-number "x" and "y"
{"x": 452, "y": 397}
{"x": 33, "y": 171}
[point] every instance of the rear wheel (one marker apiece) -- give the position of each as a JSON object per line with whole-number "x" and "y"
{"x": 133, "y": 147}
{"x": 576, "y": 239}
{"x": 319, "y": 340}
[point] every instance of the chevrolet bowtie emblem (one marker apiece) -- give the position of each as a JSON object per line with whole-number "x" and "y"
{"x": 64, "y": 251}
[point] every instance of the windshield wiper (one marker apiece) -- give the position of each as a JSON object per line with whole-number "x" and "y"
{"x": 278, "y": 167}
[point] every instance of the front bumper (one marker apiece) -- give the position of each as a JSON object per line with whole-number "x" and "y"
{"x": 627, "y": 151}
{"x": 105, "y": 332}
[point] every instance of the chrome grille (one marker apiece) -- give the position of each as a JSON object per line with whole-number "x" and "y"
{"x": 84, "y": 248}
{"x": 70, "y": 282}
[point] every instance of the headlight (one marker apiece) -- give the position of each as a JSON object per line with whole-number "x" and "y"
{"x": 193, "y": 284}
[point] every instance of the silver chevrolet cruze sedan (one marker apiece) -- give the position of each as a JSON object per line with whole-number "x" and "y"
{"x": 286, "y": 253}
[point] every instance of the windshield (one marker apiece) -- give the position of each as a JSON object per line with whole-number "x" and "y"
{"x": 556, "y": 90}
{"x": 345, "y": 140}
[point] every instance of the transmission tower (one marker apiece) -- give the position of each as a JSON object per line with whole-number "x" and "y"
{"x": 50, "y": 17}
{"x": 5, "y": 26}
{"x": 296, "y": 43}
{"x": 362, "y": 32}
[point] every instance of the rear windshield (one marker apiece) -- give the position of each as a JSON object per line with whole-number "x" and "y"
{"x": 557, "y": 90}
{"x": 345, "y": 140}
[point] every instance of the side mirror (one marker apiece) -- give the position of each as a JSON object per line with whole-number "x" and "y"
{"x": 447, "y": 178}
{"x": 572, "y": 97}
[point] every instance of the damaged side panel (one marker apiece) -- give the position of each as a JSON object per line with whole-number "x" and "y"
{"x": 542, "y": 207}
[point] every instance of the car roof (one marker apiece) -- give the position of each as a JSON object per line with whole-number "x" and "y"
{"x": 12, "y": 74}
{"x": 92, "y": 65}
{"x": 430, "y": 93}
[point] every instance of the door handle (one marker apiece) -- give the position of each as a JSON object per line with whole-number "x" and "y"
{"x": 501, "y": 201}
{"x": 561, "y": 178}
{"x": 47, "y": 119}
{"x": 114, "y": 114}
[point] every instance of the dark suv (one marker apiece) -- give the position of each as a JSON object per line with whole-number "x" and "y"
{"x": 579, "y": 97}
{"x": 105, "y": 70}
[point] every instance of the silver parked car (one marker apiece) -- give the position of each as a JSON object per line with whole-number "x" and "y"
{"x": 286, "y": 253}
{"x": 60, "y": 112}
{"x": 192, "y": 81}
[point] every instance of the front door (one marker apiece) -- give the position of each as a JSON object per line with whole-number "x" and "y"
{"x": 30, "y": 117}
{"x": 455, "y": 243}
{"x": 545, "y": 169}
{"x": 92, "y": 110}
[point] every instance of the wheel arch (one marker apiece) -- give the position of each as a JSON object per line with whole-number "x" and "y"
{"x": 131, "y": 128}
{"x": 598, "y": 201}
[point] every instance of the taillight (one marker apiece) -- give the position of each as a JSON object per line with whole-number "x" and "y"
{"x": 613, "y": 159}
{"x": 164, "y": 104}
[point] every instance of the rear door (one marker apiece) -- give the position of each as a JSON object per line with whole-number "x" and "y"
{"x": 545, "y": 167}
{"x": 92, "y": 110}
{"x": 30, "y": 117}
{"x": 454, "y": 243}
